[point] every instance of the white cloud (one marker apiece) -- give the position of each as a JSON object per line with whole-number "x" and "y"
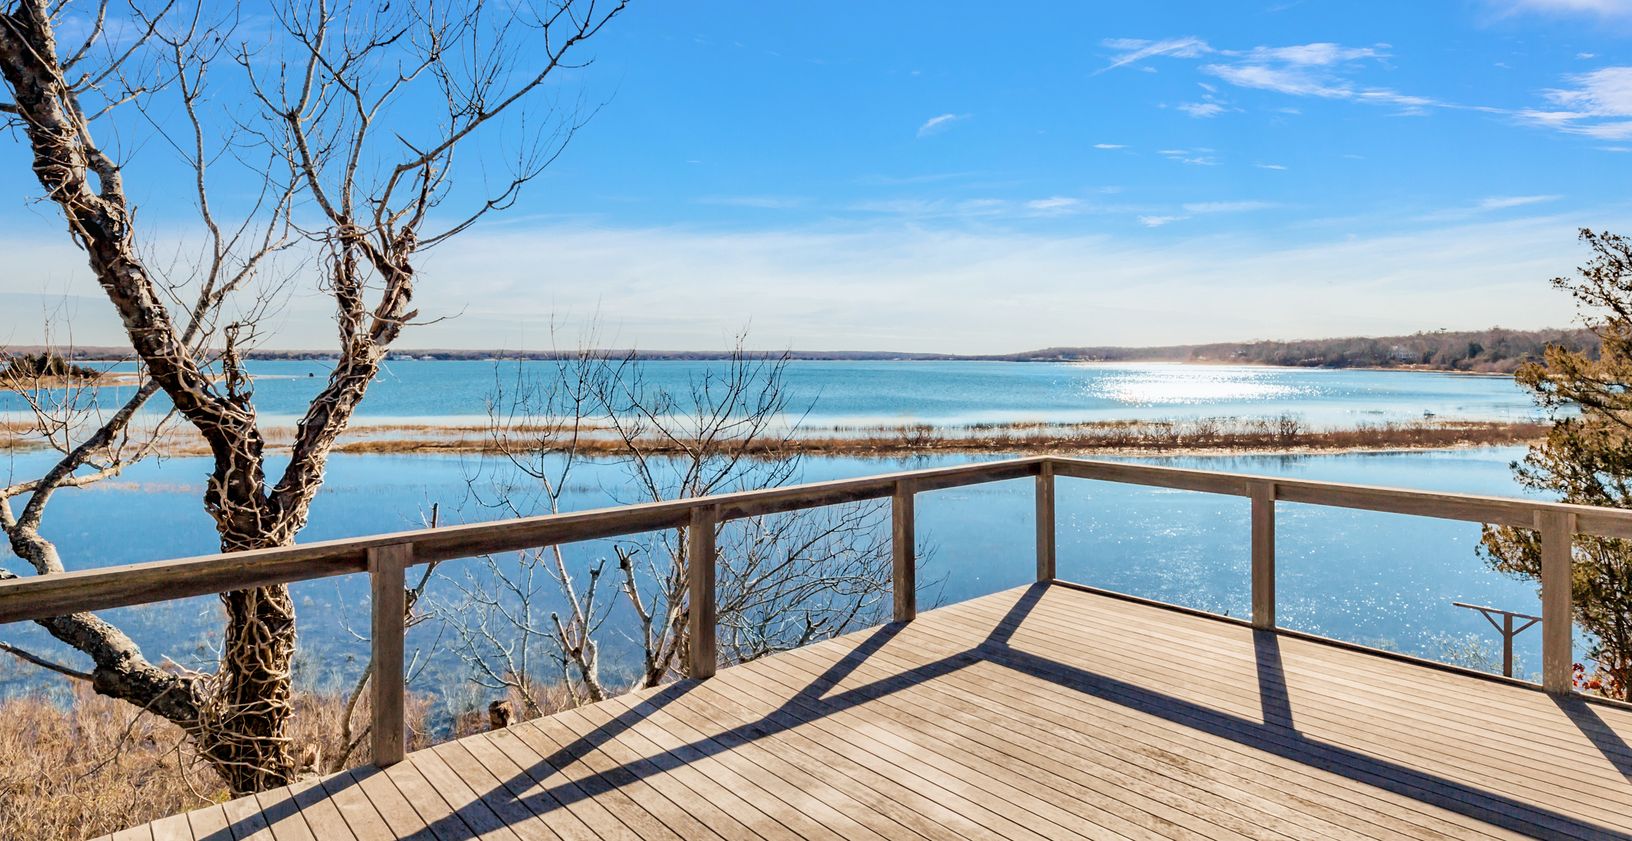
{"x": 759, "y": 202}
{"x": 1504, "y": 202}
{"x": 937, "y": 124}
{"x": 1276, "y": 167}
{"x": 1193, "y": 157}
{"x": 1320, "y": 54}
{"x": 1484, "y": 206}
{"x": 986, "y": 210}
{"x": 1134, "y": 50}
{"x": 1597, "y": 104}
{"x": 1295, "y": 80}
{"x": 1158, "y": 221}
{"x": 1054, "y": 203}
{"x": 913, "y": 286}
{"x": 1228, "y": 206}
{"x": 1201, "y": 110}
{"x": 1109, "y": 146}
{"x": 1601, "y": 8}
{"x": 1320, "y": 69}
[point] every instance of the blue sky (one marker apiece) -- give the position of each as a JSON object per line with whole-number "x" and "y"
{"x": 963, "y": 177}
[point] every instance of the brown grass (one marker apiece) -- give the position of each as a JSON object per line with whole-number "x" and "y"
{"x": 82, "y": 766}
{"x": 91, "y": 766}
{"x": 1118, "y": 437}
{"x": 1105, "y": 437}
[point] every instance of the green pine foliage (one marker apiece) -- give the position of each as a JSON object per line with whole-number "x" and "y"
{"x": 1586, "y": 458}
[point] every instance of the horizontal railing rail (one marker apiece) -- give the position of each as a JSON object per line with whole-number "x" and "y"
{"x": 385, "y": 557}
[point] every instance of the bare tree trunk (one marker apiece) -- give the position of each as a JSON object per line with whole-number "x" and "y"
{"x": 320, "y": 135}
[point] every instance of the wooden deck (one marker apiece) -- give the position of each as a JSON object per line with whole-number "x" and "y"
{"x": 1041, "y": 712}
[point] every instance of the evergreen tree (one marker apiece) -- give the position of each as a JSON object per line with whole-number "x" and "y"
{"x": 1586, "y": 458}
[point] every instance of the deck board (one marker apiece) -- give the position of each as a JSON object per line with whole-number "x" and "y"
{"x": 1036, "y": 713}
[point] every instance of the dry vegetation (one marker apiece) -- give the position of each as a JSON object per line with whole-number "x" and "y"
{"x": 88, "y": 765}
{"x": 76, "y": 765}
{"x": 1103, "y": 437}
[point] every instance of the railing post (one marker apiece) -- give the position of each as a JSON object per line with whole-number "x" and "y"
{"x": 701, "y": 555}
{"x": 1557, "y": 530}
{"x": 1263, "y": 554}
{"x": 386, "y": 566}
{"x": 1045, "y": 522}
{"x": 904, "y": 552}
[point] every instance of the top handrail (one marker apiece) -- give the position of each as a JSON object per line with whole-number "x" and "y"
{"x": 103, "y": 588}
{"x": 41, "y": 597}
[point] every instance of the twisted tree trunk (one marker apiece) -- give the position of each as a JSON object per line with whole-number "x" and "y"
{"x": 239, "y": 716}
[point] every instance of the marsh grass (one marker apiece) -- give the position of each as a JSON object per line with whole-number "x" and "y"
{"x": 75, "y": 765}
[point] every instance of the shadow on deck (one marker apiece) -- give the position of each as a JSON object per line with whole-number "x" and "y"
{"x": 1043, "y": 712}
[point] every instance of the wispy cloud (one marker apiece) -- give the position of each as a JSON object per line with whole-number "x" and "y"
{"x": 1600, "y": 8}
{"x": 988, "y": 209}
{"x": 938, "y": 124}
{"x": 1504, "y": 202}
{"x": 913, "y": 286}
{"x": 1276, "y": 167}
{"x": 1596, "y": 104}
{"x": 1318, "y": 54}
{"x": 1484, "y": 206}
{"x": 1135, "y": 50}
{"x": 904, "y": 180}
{"x": 1320, "y": 69}
{"x": 1228, "y": 206}
{"x": 1193, "y": 157}
{"x": 1201, "y": 110}
{"x": 759, "y": 202}
{"x": 1109, "y": 146}
{"x": 1053, "y": 203}
{"x": 1158, "y": 221}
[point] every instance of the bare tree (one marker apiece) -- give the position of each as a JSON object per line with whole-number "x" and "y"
{"x": 785, "y": 580}
{"x": 348, "y": 118}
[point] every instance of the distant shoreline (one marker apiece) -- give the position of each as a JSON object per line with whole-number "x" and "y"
{"x": 1493, "y": 351}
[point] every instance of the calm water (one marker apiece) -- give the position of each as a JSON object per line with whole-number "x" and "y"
{"x": 1379, "y": 579}
{"x": 846, "y": 393}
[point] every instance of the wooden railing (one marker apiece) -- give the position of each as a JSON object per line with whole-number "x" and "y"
{"x": 386, "y": 557}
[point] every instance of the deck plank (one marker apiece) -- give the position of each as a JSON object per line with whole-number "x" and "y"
{"x": 988, "y": 687}
{"x": 766, "y": 773}
{"x": 339, "y": 796}
{"x": 280, "y": 808}
{"x": 173, "y": 828}
{"x": 1365, "y": 722}
{"x": 704, "y": 791}
{"x": 1472, "y": 706}
{"x": 1035, "y": 713}
{"x": 871, "y": 785}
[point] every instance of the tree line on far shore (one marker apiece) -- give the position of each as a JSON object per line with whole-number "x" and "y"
{"x": 1495, "y": 351}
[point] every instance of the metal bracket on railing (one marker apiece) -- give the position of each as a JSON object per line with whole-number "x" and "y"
{"x": 1504, "y": 627}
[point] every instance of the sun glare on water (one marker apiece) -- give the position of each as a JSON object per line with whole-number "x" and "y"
{"x": 1192, "y": 386}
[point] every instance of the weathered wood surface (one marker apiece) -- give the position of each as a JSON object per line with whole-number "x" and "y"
{"x": 389, "y": 606}
{"x": 1042, "y": 712}
{"x": 904, "y": 552}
